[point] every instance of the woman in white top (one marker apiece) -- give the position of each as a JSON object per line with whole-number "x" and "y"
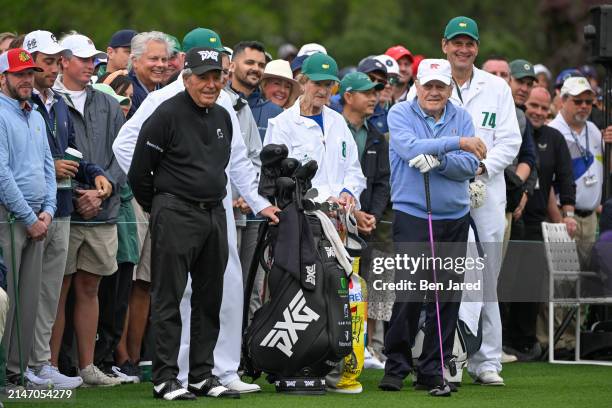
{"x": 313, "y": 131}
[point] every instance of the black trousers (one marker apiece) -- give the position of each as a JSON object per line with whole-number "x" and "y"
{"x": 186, "y": 238}
{"x": 403, "y": 326}
{"x": 113, "y": 295}
{"x": 520, "y": 318}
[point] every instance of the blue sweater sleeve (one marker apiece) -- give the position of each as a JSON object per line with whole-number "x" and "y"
{"x": 405, "y": 141}
{"x": 10, "y": 195}
{"x": 459, "y": 165}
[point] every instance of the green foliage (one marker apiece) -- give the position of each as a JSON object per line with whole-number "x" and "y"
{"x": 350, "y": 29}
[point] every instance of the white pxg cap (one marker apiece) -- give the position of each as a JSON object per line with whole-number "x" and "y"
{"x": 43, "y": 41}
{"x": 434, "y": 70}
{"x": 81, "y": 46}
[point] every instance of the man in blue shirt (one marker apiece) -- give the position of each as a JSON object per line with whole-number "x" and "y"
{"x": 27, "y": 195}
{"x": 248, "y": 63}
{"x": 428, "y": 135}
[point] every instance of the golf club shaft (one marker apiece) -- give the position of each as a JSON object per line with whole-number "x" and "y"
{"x": 433, "y": 255}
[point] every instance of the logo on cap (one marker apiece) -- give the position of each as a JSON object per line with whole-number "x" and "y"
{"x": 325, "y": 66}
{"x": 389, "y": 63}
{"x": 214, "y": 55}
{"x": 53, "y": 38}
{"x": 462, "y": 25}
{"x": 527, "y": 66}
{"x": 212, "y": 39}
{"x": 31, "y": 44}
{"x": 23, "y": 56}
{"x": 434, "y": 66}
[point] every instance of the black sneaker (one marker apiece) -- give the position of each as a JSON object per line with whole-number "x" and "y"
{"x": 526, "y": 353}
{"x": 391, "y": 383}
{"x": 211, "y": 387}
{"x": 172, "y": 390}
{"x": 430, "y": 383}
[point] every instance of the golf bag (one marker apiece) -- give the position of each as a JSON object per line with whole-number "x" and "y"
{"x": 304, "y": 330}
{"x": 463, "y": 345}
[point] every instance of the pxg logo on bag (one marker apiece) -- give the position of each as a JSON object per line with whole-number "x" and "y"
{"x": 298, "y": 317}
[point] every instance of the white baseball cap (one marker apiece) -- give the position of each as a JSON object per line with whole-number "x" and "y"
{"x": 81, "y": 46}
{"x": 434, "y": 70}
{"x": 43, "y": 41}
{"x": 311, "y": 48}
{"x": 575, "y": 86}
{"x": 390, "y": 64}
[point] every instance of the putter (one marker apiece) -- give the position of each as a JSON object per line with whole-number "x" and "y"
{"x": 441, "y": 390}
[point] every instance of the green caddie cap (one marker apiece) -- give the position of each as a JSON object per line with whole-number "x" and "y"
{"x": 358, "y": 82}
{"x": 521, "y": 68}
{"x": 320, "y": 67}
{"x": 461, "y": 26}
{"x": 202, "y": 37}
{"x": 176, "y": 45}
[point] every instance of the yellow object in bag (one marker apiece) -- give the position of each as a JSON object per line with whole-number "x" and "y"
{"x": 352, "y": 365}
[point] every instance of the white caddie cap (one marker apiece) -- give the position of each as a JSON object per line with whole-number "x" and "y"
{"x": 43, "y": 41}
{"x": 311, "y": 48}
{"x": 390, "y": 64}
{"x": 81, "y": 46}
{"x": 575, "y": 86}
{"x": 434, "y": 70}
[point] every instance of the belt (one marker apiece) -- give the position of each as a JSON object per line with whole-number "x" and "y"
{"x": 583, "y": 213}
{"x": 202, "y": 205}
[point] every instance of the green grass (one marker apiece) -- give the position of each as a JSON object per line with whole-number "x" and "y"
{"x": 527, "y": 385}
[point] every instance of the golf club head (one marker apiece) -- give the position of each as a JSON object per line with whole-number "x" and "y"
{"x": 289, "y": 166}
{"x": 284, "y": 191}
{"x": 307, "y": 171}
{"x": 273, "y": 154}
{"x": 304, "y": 175}
{"x": 440, "y": 391}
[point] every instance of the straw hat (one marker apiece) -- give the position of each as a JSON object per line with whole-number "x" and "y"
{"x": 281, "y": 69}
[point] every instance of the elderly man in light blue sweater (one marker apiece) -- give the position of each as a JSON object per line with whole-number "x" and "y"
{"x": 428, "y": 135}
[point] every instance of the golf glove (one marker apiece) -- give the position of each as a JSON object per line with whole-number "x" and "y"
{"x": 424, "y": 162}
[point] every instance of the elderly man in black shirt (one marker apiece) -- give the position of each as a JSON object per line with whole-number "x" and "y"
{"x": 178, "y": 174}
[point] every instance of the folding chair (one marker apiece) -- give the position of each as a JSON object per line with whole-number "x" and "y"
{"x": 564, "y": 265}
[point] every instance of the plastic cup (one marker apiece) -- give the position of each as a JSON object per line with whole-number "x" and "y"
{"x": 74, "y": 155}
{"x": 146, "y": 370}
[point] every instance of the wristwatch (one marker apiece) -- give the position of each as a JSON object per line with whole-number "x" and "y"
{"x": 566, "y": 214}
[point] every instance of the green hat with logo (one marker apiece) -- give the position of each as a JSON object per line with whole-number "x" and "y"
{"x": 202, "y": 37}
{"x": 176, "y": 45}
{"x": 461, "y": 26}
{"x": 358, "y": 82}
{"x": 521, "y": 68}
{"x": 320, "y": 67}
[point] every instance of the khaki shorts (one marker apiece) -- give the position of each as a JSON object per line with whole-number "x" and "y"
{"x": 143, "y": 269}
{"x": 92, "y": 249}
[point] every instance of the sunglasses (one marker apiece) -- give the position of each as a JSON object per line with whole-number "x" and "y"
{"x": 579, "y": 102}
{"x": 379, "y": 80}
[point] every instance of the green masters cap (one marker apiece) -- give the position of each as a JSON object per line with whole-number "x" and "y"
{"x": 176, "y": 45}
{"x": 461, "y": 26}
{"x": 202, "y": 37}
{"x": 522, "y": 69}
{"x": 358, "y": 82}
{"x": 320, "y": 67}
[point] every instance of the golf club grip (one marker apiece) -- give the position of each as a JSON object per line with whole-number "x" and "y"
{"x": 427, "y": 196}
